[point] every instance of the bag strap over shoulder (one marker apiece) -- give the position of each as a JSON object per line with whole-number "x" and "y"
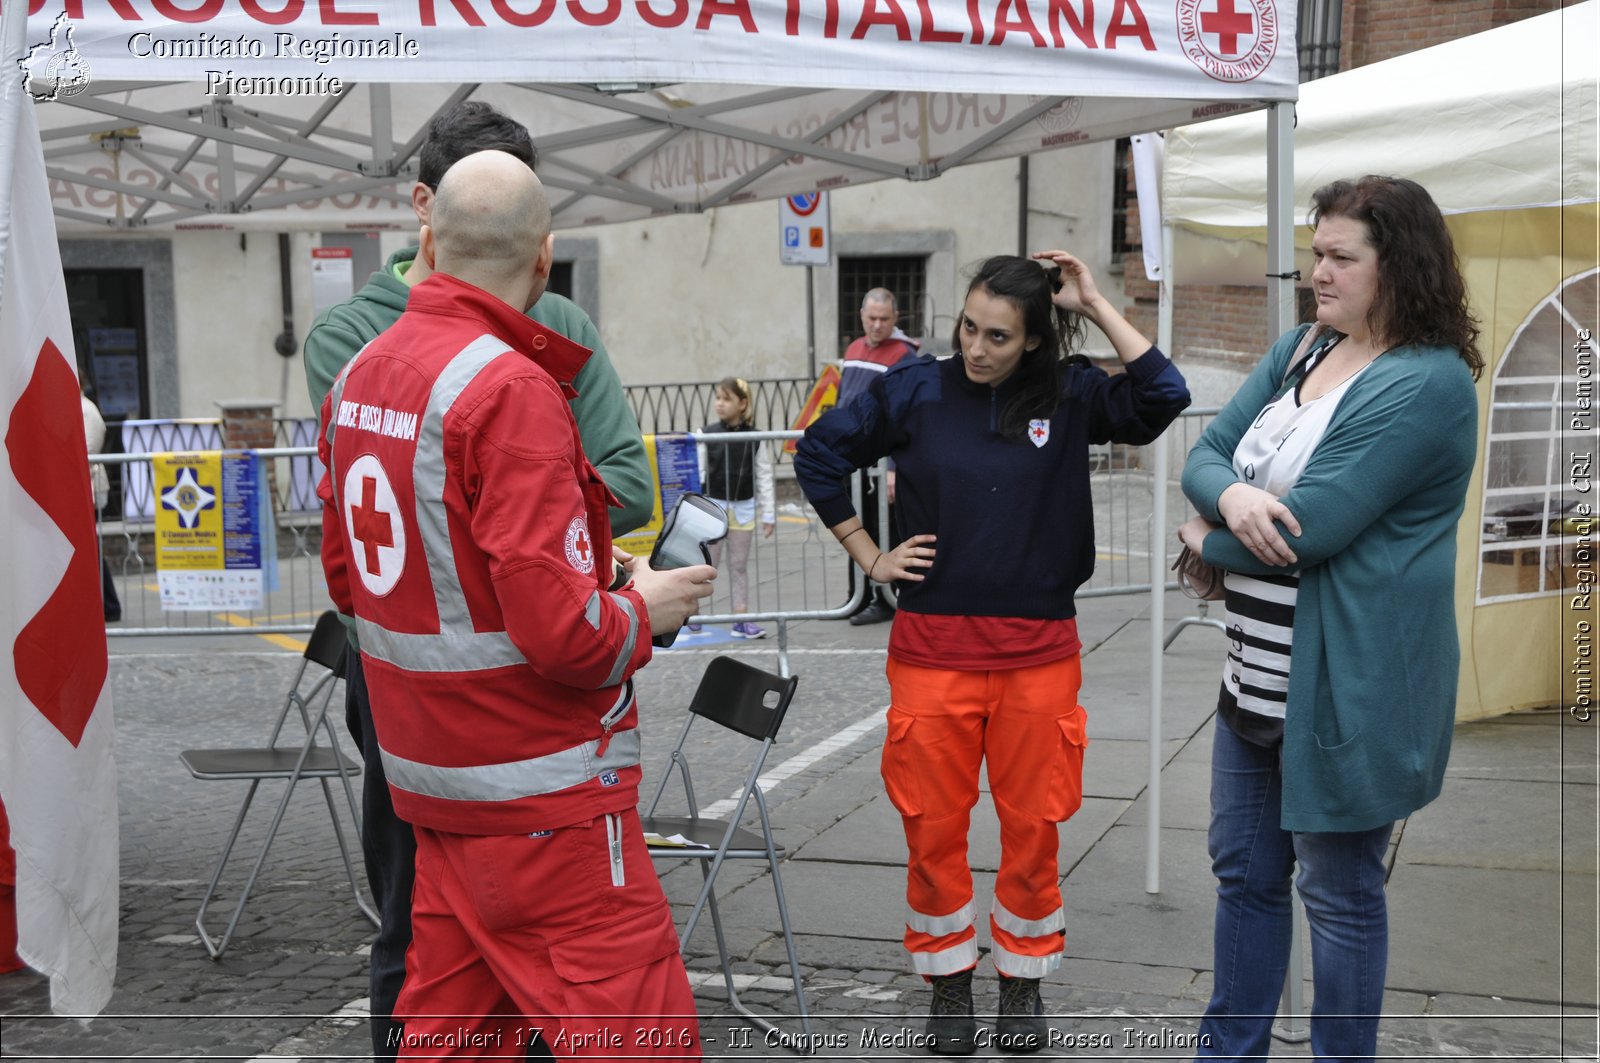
{"x": 1315, "y": 336}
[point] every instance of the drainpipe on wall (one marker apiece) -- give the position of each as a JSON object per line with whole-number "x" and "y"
{"x": 1022, "y": 207}
{"x": 286, "y": 345}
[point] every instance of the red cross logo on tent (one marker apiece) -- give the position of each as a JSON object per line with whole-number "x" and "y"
{"x": 1039, "y": 432}
{"x": 1231, "y": 40}
{"x": 373, "y": 524}
{"x": 1228, "y": 25}
{"x": 580, "y": 548}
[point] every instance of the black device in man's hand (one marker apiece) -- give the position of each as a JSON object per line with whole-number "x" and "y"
{"x": 694, "y": 523}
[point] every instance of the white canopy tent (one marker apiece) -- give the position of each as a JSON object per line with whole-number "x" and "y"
{"x": 214, "y": 113}
{"x": 646, "y": 108}
{"x": 1498, "y": 121}
{"x": 1503, "y": 129}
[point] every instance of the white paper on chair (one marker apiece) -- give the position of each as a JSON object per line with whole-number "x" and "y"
{"x": 671, "y": 840}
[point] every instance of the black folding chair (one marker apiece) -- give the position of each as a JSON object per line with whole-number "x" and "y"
{"x": 752, "y": 703}
{"x": 310, "y": 695}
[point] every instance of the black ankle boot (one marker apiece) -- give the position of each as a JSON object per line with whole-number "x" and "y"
{"x": 952, "y": 1029}
{"x": 1021, "y": 1026}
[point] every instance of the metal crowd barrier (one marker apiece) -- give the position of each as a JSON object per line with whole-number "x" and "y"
{"x": 128, "y": 545}
{"x": 799, "y": 573}
{"x": 687, "y": 407}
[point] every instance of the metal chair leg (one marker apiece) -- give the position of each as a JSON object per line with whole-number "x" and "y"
{"x": 788, "y": 941}
{"x": 255, "y": 871}
{"x": 344, "y": 852}
{"x": 212, "y": 947}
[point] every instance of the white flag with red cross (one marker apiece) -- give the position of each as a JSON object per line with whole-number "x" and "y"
{"x": 58, "y": 774}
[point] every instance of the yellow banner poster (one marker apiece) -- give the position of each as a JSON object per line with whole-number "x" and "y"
{"x": 674, "y": 469}
{"x": 209, "y": 519}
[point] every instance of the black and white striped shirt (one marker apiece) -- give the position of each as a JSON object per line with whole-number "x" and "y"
{"x": 1271, "y": 455}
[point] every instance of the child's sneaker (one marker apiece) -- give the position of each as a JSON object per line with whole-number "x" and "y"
{"x": 748, "y": 631}
{"x": 693, "y": 629}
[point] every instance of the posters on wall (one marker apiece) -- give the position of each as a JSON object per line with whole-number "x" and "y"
{"x": 332, "y": 276}
{"x": 214, "y": 540}
{"x": 114, "y": 354}
{"x": 675, "y": 468}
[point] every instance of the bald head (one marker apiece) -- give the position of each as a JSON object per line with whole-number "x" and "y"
{"x": 490, "y": 221}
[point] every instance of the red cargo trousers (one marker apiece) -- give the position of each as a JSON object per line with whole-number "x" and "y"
{"x": 556, "y": 931}
{"x": 1027, "y": 725}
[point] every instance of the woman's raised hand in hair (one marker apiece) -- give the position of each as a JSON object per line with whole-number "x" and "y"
{"x": 1077, "y": 292}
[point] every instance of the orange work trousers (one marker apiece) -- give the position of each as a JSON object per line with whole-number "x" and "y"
{"x": 1027, "y": 725}
{"x": 566, "y": 932}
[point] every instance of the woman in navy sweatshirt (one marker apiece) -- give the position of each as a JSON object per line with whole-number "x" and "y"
{"x": 991, "y": 452}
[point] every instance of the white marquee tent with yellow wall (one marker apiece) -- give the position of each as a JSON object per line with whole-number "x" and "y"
{"x": 1501, "y": 128}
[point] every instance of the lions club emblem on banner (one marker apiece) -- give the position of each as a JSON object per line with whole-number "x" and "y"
{"x": 1039, "y": 432}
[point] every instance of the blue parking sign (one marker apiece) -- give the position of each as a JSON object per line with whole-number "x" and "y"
{"x": 803, "y": 230}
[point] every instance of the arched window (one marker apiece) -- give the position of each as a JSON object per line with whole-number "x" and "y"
{"x": 1541, "y": 440}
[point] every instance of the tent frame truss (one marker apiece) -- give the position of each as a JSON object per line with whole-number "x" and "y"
{"x": 224, "y": 129}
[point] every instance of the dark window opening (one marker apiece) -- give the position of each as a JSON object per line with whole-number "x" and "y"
{"x": 560, "y": 279}
{"x": 1319, "y": 25}
{"x": 1123, "y": 202}
{"x": 904, "y": 275}
{"x": 107, "y": 311}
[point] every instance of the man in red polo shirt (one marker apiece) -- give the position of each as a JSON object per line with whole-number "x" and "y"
{"x": 881, "y": 346}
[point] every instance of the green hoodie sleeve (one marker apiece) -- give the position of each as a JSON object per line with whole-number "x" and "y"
{"x": 329, "y": 346}
{"x": 343, "y": 330}
{"x": 606, "y": 423}
{"x": 334, "y": 339}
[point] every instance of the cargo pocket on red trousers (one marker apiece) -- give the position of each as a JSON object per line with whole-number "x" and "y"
{"x": 596, "y": 953}
{"x": 1064, "y": 794}
{"x": 900, "y": 765}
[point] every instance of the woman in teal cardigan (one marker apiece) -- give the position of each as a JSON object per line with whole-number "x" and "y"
{"x": 1329, "y": 489}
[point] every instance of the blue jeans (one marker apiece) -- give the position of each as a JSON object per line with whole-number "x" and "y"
{"x": 1341, "y": 884}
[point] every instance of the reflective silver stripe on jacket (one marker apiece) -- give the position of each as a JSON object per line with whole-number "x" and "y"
{"x": 336, "y": 394}
{"x": 472, "y": 651}
{"x": 516, "y": 779}
{"x": 428, "y": 477}
{"x": 620, "y": 668}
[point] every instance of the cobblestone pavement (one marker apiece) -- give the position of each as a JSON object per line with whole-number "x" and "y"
{"x": 1493, "y": 889}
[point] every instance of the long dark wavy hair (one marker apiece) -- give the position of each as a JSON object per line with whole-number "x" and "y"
{"x": 1421, "y": 298}
{"x": 1028, "y": 286}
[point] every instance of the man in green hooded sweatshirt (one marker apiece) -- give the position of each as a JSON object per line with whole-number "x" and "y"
{"x": 611, "y": 441}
